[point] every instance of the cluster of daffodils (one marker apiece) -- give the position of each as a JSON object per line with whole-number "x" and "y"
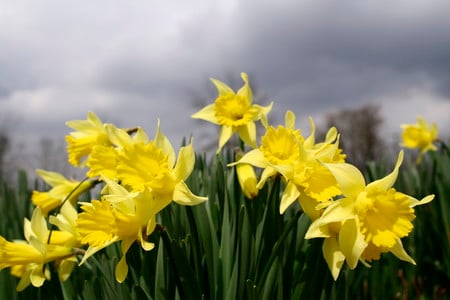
{"x": 141, "y": 176}
{"x": 357, "y": 221}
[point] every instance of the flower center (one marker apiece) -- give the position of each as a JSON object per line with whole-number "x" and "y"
{"x": 281, "y": 146}
{"x": 384, "y": 216}
{"x": 145, "y": 166}
{"x": 234, "y": 110}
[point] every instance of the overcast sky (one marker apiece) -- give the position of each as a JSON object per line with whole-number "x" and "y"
{"x": 132, "y": 62}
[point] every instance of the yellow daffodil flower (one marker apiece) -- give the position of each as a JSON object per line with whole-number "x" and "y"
{"x": 420, "y": 135}
{"x": 285, "y": 151}
{"x": 120, "y": 216}
{"x": 27, "y": 258}
{"x": 61, "y": 189}
{"x": 234, "y": 112}
{"x": 154, "y": 166}
{"x": 382, "y": 216}
{"x": 89, "y": 132}
{"x": 104, "y": 158}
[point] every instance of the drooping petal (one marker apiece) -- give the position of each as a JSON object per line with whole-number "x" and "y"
{"x": 122, "y": 267}
{"x": 309, "y": 206}
{"x": 24, "y": 281}
{"x": 247, "y": 133}
{"x": 400, "y": 252}
{"x": 266, "y": 174}
{"x": 225, "y": 134}
{"x": 317, "y": 230}
{"x": 351, "y": 242}
{"x": 146, "y": 245}
{"x": 348, "y": 177}
{"x": 333, "y": 256}
{"x": 183, "y": 195}
{"x": 37, "y": 277}
{"x": 290, "y": 194}
{"x": 65, "y": 268}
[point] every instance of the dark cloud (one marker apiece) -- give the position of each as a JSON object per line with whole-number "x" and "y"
{"x": 138, "y": 62}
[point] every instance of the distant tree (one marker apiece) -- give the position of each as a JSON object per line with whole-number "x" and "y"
{"x": 360, "y": 133}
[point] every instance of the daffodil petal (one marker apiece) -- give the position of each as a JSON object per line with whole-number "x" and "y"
{"x": 163, "y": 143}
{"x": 51, "y": 178}
{"x": 117, "y": 136}
{"x": 348, "y": 177}
{"x": 207, "y": 113}
{"x": 185, "y": 162}
{"x": 400, "y": 252}
{"x": 310, "y": 140}
{"x": 289, "y": 120}
{"x": 351, "y": 242}
{"x": 290, "y": 194}
{"x": 317, "y": 230}
{"x": 183, "y": 195}
{"x": 254, "y": 157}
{"x": 37, "y": 277}
{"x": 225, "y": 134}
{"x": 247, "y": 133}
{"x": 338, "y": 211}
{"x": 388, "y": 181}
{"x": 65, "y": 269}
{"x": 333, "y": 256}
{"x": 222, "y": 88}
{"x": 245, "y": 91}
{"x": 425, "y": 200}
{"x": 24, "y": 281}
{"x": 122, "y": 267}
{"x": 309, "y": 206}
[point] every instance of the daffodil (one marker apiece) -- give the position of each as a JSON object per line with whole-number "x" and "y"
{"x": 87, "y": 134}
{"x": 28, "y": 257}
{"x": 103, "y": 159}
{"x": 154, "y": 166}
{"x": 62, "y": 189}
{"x": 420, "y": 135}
{"x": 234, "y": 112}
{"x": 119, "y": 216}
{"x": 383, "y": 216}
{"x": 285, "y": 151}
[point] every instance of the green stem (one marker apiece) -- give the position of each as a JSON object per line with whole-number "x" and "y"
{"x": 277, "y": 246}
